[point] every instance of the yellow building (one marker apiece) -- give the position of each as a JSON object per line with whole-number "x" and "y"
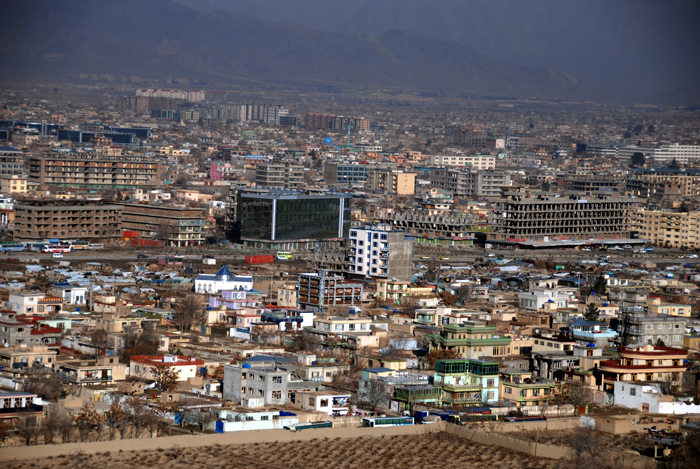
{"x": 692, "y": 341}
{"x": 391, "y": 181}
{"x": 656, "y": 306}
{"x": 13, "y": 184}
{"x": 672, "y": 229}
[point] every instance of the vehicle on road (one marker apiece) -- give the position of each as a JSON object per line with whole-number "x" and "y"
{"x": 627, "y": 246}
{"x": 445, "y": 258}
{"x": 490, "y": 255}
{"x": 142, "y": 256}
{"x": 57, "y": 255}
{"x": 284, "y": 255}
{"x": 386, "y": 421}
{"x": 425, "y": 257}
{"x": 308, "y": 426}
{"x": 692, "y": 256}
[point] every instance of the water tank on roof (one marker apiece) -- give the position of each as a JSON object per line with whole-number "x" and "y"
{"x": 590, "y": 344}
{"x": 605, "y": 304}
{"x": 246, "y": 365}
{"x": 550, "y": 301}
{"x": 208, "y": 308}
{"x": 313, "y": 363}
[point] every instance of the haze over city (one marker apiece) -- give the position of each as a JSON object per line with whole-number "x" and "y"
{"x": 370, "y": 233}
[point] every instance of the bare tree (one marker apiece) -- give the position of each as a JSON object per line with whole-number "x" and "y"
{"x": 166, "y": 377}
{"x": 584, "y": 445}
{"x": 55, "y": 420}
{"x": 166, "y": 230}
{"x": 88, "y": 421}
{"x": 372, "y": 393}
{"x": 42, "y": 382}
{"x": 28, "y": 428}
{"x": 190, "y": 312}
{"x": 100, "y": 339}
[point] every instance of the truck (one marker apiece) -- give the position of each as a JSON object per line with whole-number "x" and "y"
{"x": 260, "y": 259}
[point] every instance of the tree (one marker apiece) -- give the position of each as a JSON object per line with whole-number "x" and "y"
{"x": 56, "y": 419}
{"x": 194, "y": 415}
{"x": 684, "y": 208}
{"x": 651, "y": 129}
{"x": 28, "y": 428}
{"x": 638, "y": 159}
{"x": 600, "y": 287}
{"x": 546, "y": 186}
{"x": 100, "y": 339}
{"x": 166, "y": 377}
{"x": 441, "y": 354}
{"x": 145, "y": 343}
{"x": 42, "y": 382}
{"x": 87, "y": 421}
{"x": 584, "y": 445}
{"x": 166, "y": 230}
{"x": 372, "y": 393}
{"x": 591, "y": 313}
{"x": 660, "y": 343}
{"x": 674, "y": 164}
{"x": 190, "y": 312}
{"x": 117, "y": 418}
{"x": 577, "y": 395}
{"x": 637, "y": 129}
{"x": 627, "y": 135}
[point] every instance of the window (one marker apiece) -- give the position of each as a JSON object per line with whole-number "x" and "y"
{"x": 509, "y": 390}
{"x": 277, "y": 380}
{"x": 324, "y": 403}
{"x": 277, "y": 394}
{"x": 633, "y": 391}
{"x": 261, "y": 393}
{"x": 523, "y": 392}
{"x": 264, "y": 417}
{"x": 312, "y": 401}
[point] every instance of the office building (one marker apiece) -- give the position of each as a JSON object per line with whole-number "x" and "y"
{"x": 390, "y": 181}
{"x": 469, "y": 183}
{"x": 345, "y": 173}
{"x": 381, "y": 252}
{"x": 475, "y": 162}
{"x": 319, "y": 290}
{"x": 89, "y": 171}
{"x": 279, "y": 175}
{"x": 11, "y": 161}
{"x": 661, "y": 155}
{"x": 289, "y": 220}
{"x": 528, "y": 215}
{"x": 38, "y": 220}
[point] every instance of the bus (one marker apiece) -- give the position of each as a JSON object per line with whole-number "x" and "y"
{"x": 36, "y": 247}
{"x": 463, "y": 419}
{"x": 80, "y": 244}
{"x": 295, "y": 427}
{"x": 386, "y": 421}
{"x": 14, "y": 247}
{"x": 62, "y": 248}
{"x": 532, "y": 418}
{"x": 284, "y": 255}
{"x": 95, "y": 247}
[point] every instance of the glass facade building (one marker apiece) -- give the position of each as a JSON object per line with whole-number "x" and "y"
{"x": 284, "y": 216}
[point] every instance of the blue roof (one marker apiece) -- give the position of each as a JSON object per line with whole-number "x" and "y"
{"x": 13, "y": 149}
{"x": 327, "y": 140}
{"x": 223, "y": 272}
{"x": 379, "y": 369}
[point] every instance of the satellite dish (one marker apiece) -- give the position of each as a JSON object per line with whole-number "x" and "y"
{"x": 537, "y": 331}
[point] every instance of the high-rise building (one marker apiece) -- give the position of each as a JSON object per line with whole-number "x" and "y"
{"x": 282, "y": 219}
{"x": 474, "y": 162}
{"x": 671, "y": 229}
{"x": 379, "y": 251}
{"x": 663, "y": 183}
{"x": 391, "y": 181}
{"x": 344, "y": 173}
{"x": 319, "y": 290}
{"x": 11, "y": 161}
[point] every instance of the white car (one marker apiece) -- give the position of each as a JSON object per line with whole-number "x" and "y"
{"x": 57, "y": 255}
{"x": 692, "y": 256}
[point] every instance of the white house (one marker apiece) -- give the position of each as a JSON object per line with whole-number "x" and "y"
{"x": 143, "y": 365}
{"x": 223, "y": 280}
{"x": 539, "y": 299}
{"x": 648, "y": 397}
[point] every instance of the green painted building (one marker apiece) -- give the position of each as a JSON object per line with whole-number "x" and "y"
{"x": 470, "y": 340}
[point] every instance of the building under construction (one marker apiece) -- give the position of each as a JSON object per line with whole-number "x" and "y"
{"x": 524, "y": 215}
{"x": 318, "y": 291}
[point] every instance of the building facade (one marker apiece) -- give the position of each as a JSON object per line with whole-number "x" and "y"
{"x": 390, "y": 181}
{"x": 38, "y": 220}
{"x": 317, "y": 291}
{"x": 474, "y": 162}
{"x": 279, "y": 174}
{"x": 668, "y": 229}
{"x": 471, "y": 340}
{"x": 469, "y": 183}
{"x": 11, "y": 161}
{"x": 174, "y": 225}
{"x": 379, "y": 251}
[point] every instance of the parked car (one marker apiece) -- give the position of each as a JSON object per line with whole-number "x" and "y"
{"x": 692, "y": 256}
{"x": 57, "y": 255}
{"x": 142, "y": 256}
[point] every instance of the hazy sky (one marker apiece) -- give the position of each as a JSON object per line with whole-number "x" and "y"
{"x": 630, "y": 48}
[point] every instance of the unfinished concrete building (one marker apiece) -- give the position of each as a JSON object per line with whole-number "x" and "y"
{"x": 529, "y": 215}
{"x": 38, "y": 220}
{"x": 318, "y": 290}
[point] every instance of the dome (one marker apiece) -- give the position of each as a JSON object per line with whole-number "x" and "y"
{"x": 224, "y": 274}
{"x": 328, "y": 141}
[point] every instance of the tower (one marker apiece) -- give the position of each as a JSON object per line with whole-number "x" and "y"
{"x": 348, "y": 135}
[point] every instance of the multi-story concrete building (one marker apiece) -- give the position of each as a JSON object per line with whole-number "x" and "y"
{"x": 100, "y": 370}
{"x": 333, "y": 122}
{"x": 279, "y": 174}
{"x": 446, "y": 228}
{"x": 672, "y": 229}
{"x": 11, "y": 161}
{"x": 469, "y": 183}
{"x": 38, "y": 220}
{"x": 390, "y": 181}
{"x": 520, "y": 388}
{"x": 644, "y": 362}
{"x": 13, "y": 184}
{"x": 318, "y": 290}
{"x": 591, "y": 182}
{"x": 542, "y": 216}
{"x": 143, "y": 366}
{"x": 345, "y": 173}
{"x": 663, "y": 183}
{"x": 288, "y": 220}
{"x": 661, "y": 155}
{"x": 257, "y": 386}
{"x": 379, "y": 251}
{"x": 635, "y": 327}
{"x": 473, "y": 162}
{"x": 92, "y": 172}
{"x": 467, "y": 382}
{"x": 471, "y": 340}
{"x": 175, "y": 225}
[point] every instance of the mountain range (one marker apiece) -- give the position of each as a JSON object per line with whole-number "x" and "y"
{"x": 42, "y": 39}
{"x": 631, "y": 49}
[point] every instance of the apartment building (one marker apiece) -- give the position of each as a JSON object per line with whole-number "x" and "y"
{"x": 525, "y": 214}
{"x": 175, "y": 225}
{"x": 11, "y": 161}
{"x": 663, "y": 154}
{"x": 474, "y": 162}
{"x": 671, "y": 229}
{"x": 257, "y": 386}
{"x": 13, "y": 184}
{"x": 390, "y": 181}
{"x": 346, "y": 173}
{"x": 656, "y": 306}
{"x": 92, "y": 172}
{"x": 469, "y": 183}
{"x": 334, "y": 122}
{"x": 279, "y": 174}
{"x": 25, "y": 356}
{"x": 522, "y": 389}
{"x": 38, "y": 220}
{"x": 101, "y": 370}
{"x": 635, "y": 327}
{"x": 379, "y": 251}
{"x": 467, "y": 382}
